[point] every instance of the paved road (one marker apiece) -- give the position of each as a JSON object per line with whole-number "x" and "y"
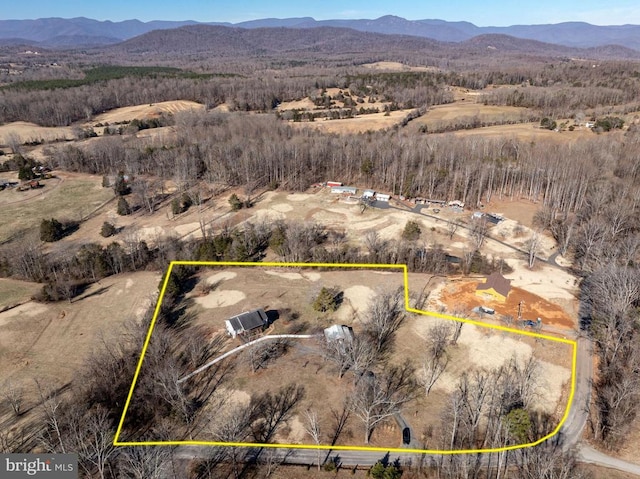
{"x": 590, "y": 456}
{"x": 571, "y": 430}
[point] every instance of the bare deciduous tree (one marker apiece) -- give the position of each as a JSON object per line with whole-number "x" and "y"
{"x": 436, "y": 358}
{"x": 312, "y": 427}
{"x": 14, "y": 395}
{"x": 383, "y": 318}
{"x": 533, "y": 245}
{"x": 378, "y": 397}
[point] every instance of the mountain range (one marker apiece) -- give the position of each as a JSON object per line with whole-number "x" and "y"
{"x": 73, "y": 32}
{"x": 223, "y": 41}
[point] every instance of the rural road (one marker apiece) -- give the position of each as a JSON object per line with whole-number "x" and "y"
{"x": 571, "y": 430}
{"x": 589, "y": 455}
{"x": 570, "y": 433}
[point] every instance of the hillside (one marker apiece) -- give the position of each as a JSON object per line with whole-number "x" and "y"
{"x": 226, "y": 42}
{"x": 61, "y": 32}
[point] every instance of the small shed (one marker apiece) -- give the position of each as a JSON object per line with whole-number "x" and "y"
{"x": 340, "y": 190}
{"x": 494, "y": 218}
{"x": 338, "y": 333}
{"x": 382, "y": 197}
{"x": 331, "y": 184}
{"x": 368, "y": 194}
{"x": 246, "y": 322}
{"x": 456, "y": 204}
{"x": 496, "y": 286}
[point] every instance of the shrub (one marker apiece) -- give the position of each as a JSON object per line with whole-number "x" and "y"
{"x": 51, "y": 230}
{"x": 107, "y": 229}
{"x": 26, "y": 173}
{"x": 548, "y": 123}
{"x": 609, "y": 123}
{"x": 186, "y": 200}
{"x": 176, "y": 207}
{"x": 235, "y": 202}
{"x": 327, "y": 300}
{"x": 330, "y": 466}
{"x": 123, "y": 207}
{"x": 411, "y": 231}
{"x": 120, "y": 186}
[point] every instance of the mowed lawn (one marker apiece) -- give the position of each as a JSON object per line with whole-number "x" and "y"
{"x": 72, "y": 199}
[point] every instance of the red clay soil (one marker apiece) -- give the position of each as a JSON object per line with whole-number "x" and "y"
{"x": 463, "y": 294}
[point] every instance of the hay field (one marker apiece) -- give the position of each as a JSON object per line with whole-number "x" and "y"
{"x": 152, "y": 110}
{"x": 30, "y": 132}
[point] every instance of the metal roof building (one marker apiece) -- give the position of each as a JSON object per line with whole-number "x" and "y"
{"x": 246, "y": 322}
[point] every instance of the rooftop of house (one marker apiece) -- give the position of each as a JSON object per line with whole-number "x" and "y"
{"x": 496, "y": 281}
{"x": 248, "y": 320}
{"x": 338, "y": 333}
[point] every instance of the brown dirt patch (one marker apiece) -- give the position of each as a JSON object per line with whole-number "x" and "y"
{"x": 464, "y": 294}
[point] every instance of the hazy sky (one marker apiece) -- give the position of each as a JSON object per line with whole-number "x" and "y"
{"x": 482, "y": 13}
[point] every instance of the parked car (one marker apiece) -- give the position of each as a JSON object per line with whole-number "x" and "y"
{"x": 406, "y": 436}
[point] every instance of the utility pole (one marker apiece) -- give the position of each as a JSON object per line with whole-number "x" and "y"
{"x": 520, "y": 310}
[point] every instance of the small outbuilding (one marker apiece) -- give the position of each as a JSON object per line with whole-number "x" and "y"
{"x": 383, "y": 197}
{"x": 494, "y": 218}
{"x": 368, "y": 194}
{"x": 338, "y": 333}
{"x": 496, "y": 286}
{"x": 350, "y": 190}
{"x": 249, "y": 321}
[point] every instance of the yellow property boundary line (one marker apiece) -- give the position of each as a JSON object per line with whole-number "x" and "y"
{"x": 403, "y": 268}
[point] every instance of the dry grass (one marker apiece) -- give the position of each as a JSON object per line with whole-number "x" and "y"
{"x": 398, "y": 67}
{"x": 359, "y": 124}
{"x": 53, "y": 341}
{"x": 27, "y": 132}
{"x": 73, "y": 198}
{"x": 146, "y": 111}
{"x": 448, "y": 115}
{"x": 527, "y": 132}
{"x": 14, "y": 292}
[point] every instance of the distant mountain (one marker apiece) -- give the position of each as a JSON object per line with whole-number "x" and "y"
{"x": 79, "y": 31}
{"x": 241, "y": 42}
{"x": 83, "y": 31}
{"x": 227, "y": 41}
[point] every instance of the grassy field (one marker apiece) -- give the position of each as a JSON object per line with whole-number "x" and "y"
{"x": 288, "y": 291}
{"x": 73, "y": 198}
{"x": 53, "y": 341}
{"x": 14, "y": 292}
{"x": 460, "y": 112}
{"x": 528, "y": 132}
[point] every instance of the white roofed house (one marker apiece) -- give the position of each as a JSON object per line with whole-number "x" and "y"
{"x": 247, "y": 322}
